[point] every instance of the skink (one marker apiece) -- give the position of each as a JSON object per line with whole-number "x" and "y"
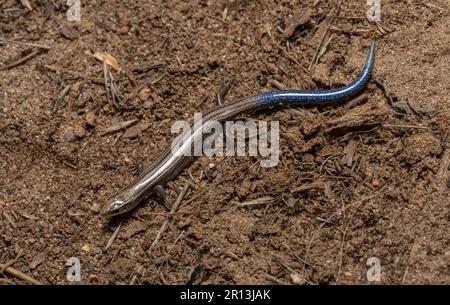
{"x": 170, "y": 163}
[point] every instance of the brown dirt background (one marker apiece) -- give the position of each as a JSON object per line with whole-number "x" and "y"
{"x": 388, "y": 199}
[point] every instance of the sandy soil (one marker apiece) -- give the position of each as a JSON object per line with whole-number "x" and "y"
{"x": 354, "y": 181}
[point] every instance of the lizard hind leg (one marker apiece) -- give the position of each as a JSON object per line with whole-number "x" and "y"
{"x": 223, "y": 90}
{"x": 161, "y": 192}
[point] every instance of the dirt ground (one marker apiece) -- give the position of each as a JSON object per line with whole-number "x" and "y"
{"x": 367, "y": 181}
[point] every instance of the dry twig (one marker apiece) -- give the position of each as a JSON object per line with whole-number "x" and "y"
{"x": 20, "y": 275}
{"x": 21, "y": 60}
{"x": 172, "y": 211}
{"x": 28, "y": 44}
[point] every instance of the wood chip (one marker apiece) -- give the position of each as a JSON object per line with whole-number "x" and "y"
{"x": 329, "y": 191}
{"x": 69, "y": 32}
{"x": 27, "y": 216}
{"x": 308, "y": 186}
{"x": 108, "y": 59}
{"x": 26, "y": 4}
{"x": 134, "y": 228}
{"x": 118, "y": 127}
{"x": 443, "y": 174}
{"x": 37, "y": 260}
{"x": 356, "y": 101}
{"x": 300, "y": 17}
{"x": 10, "y": 220}
{"x": 349, "y": 152}
{"x": 262, "y": 200}
{"x": 136, "y": 130}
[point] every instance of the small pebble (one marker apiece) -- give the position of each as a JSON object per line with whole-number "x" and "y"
{"x": 92, "y": 278}
{"x": 144, "y": 94}
{"x": 147, "y": 104}
{"x": 90, "y": 119}
{"x": 213, "y": 61}
{"x": 74, "y": 133}
{"x": 85, "y": 248}
{"x": 70, "y": 136}
{"x": 376, "y": 182}
{"x": 69, "y": 32}
{"x": 79, "y": 131}
{"x": 95, "y": 208}
{"x": 291, "y": 202}
{"x": 96, "y": 185}
{"x": 297, "y": 280}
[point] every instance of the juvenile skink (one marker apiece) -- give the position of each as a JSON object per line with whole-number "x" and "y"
{"x": 170, "y": 163}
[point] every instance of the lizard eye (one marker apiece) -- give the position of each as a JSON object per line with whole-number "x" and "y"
{"x": 114, "y": 207}
{"x": 117, "y": 204}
